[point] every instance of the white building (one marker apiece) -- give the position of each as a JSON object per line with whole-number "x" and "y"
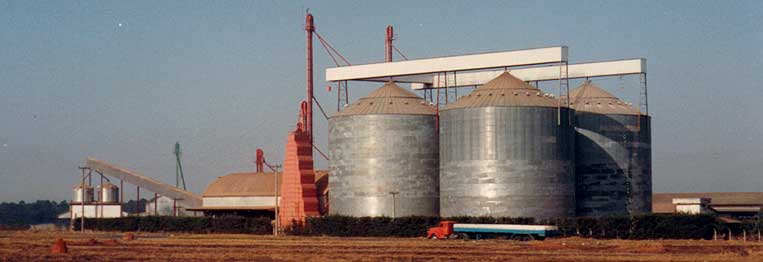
{"x": 165, "y": 206}
{"x": 692, "y": 206}
{"x": 95, "y": 210}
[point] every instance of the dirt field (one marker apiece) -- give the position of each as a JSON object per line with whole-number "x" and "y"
{"x": 27, "y": 245}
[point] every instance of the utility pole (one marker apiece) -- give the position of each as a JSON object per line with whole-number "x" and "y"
{"x": 278, "y": 220}
{"x": 394, "y": 203}
{"x": 83, "y": 196}
{"x": 137, "y": 202}
{"x": 179, "y": 177}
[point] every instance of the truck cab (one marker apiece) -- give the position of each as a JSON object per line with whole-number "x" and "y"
{"x": 442, "y": 231}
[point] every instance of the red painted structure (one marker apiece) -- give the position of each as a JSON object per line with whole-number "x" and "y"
{"x": 388, "y": 44}
{"x": 309, "y": 29}
{"x": 299, "y": 198}
{"x": 260, "y": 162}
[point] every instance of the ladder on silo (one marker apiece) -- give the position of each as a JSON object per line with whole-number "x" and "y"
{"x": 643, "y": 102}
{"x": 442, "y": 96}
{"x": 643, "y": 110}
{"x": 342, "y": 95}
{"x": 564, "y": 84}
{"x": 438, "y": 97}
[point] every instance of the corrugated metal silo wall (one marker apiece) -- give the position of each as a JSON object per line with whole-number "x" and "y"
{"x": 506, "y": 161}
{"x": 373, "y": 155}
{"x": 613, "y": 165}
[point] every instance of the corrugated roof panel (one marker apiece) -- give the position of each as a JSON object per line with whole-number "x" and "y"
{"x": 505, "y": 90}
{"x": 242, "y": 184}
{"x": 250, "y": 184}
{"x": 590, "y": 98}
{"x": 389, "y": 99}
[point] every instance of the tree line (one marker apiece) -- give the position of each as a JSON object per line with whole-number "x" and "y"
{"x": 21, "y": 214}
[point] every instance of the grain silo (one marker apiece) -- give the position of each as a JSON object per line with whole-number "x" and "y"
{"x": 506, "y": 149}
{"x": 108, "y": 193}
{"x": 383, "y": 156}
{"x": 83, "y": 193}
{"x": 613, "y": 161}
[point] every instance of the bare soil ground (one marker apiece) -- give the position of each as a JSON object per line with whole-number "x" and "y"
{"x": 36, "y": 246}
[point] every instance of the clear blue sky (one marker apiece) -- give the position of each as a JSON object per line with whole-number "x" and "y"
{"x": 225, "y": 77}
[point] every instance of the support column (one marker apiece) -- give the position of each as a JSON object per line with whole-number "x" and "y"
{"x": 137, "y": 201}
{"x": 82, "y": 203}
{"x": 121, "y": 196}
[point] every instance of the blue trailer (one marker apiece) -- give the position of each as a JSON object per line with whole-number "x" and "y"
{"x": 450, "y": 229}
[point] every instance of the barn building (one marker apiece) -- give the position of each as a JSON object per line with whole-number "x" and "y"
{"x": 249, "y": 194}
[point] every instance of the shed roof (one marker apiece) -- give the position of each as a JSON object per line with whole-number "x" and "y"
{"x": 243, "y": 184}
{"x": 389, "y": 99}
{"x": 591, "y": 98}
{"x": 255, "y": 184}
{"x": 505, "y": 90}
{"x": 231, "y": 208}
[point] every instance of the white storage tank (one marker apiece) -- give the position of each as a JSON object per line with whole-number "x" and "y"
{"x": 108, "y": 193}
{"x": 83, "y": 193}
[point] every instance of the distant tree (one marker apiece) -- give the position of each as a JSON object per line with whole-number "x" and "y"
{"x": 129, "y": 206}
{"x": 16, "y": 214}
{"x": 38, "y": 212}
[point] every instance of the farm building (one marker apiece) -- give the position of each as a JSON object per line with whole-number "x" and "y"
{"x": 160, "y": 205}
{"x": 248, "y": 194}
{"x": 732, "y": 204}
{"x": 462, "y": 135}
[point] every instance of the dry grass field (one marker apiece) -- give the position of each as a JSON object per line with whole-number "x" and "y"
{"x": 35, "y": 246}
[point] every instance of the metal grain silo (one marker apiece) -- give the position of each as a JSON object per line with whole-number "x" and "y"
{"x": 108, "y": 193}
{"x": 83, "y": 193}
{"x": 504, "y": 152}
{"x": 613, "y": 161}
{"x": 383, "y": 156}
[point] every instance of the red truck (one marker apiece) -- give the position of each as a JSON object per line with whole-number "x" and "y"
{"x": 451, "y": 229}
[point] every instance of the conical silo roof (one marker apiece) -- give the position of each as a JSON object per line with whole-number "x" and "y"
{"x": 505, "y": 90}
{"x": 590, "y": 98}
{"x": 108, "y": 185}
{"x": 82, "y": 185}
{"x": 389, "y": 99}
